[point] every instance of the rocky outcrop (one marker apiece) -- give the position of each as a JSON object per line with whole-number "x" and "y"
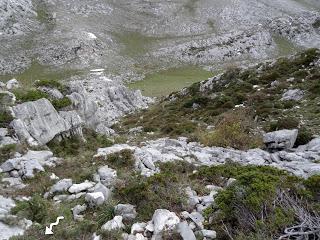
{"x": 38, "y": 122}
{"x": 15, "y": 16}
{"x": 280, "y": 140}
{"x": 292, "y": 94}
{"x": 27, "y": 165}
{"x": 162, "y": 220}
{"x": 100, "y": 101}
{"x": 9, "y": 230}
{"x": 300, "y": 161}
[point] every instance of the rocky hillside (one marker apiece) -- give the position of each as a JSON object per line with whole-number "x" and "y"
{"x": 132, "y": 38}
{"x": 233, "y": 157}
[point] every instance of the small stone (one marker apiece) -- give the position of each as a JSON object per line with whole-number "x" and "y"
{"x": 61, "y": 186}
{"x": 209, "y": 234}
{"x": 138, "y": 228}
{"x": 185, "y": 231}
{"x": 95, "y": 199}
{"x": 76, "y": 188}
{"x": 114, "y": 224}
{"x": 127, "y": 211}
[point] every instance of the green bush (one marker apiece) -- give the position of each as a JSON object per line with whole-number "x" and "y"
{"x": 304, "y": 136}
{"x": 61, "y": 103}
{"x": 7, "y": 151}
{"x": 234, "y": 130}
{"x": 122, "y": 159}
{"x": 284, "y": 123}
{"x": 148, "y": 194}
{"x": 30, "y": 95}
{"x": 51, "y": 84}
{"x": 5, "y": 118}
{"x": 36, "y": 209}
{"x": 250, "y": 205}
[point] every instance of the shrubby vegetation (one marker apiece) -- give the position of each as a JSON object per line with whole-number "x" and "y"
{"x": 258, "y": 88}
{"x": 23, "y": 95}
{"x": 234, "y": 130}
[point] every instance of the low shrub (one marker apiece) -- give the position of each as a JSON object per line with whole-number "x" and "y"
{"x": 148, "y": 194}
{"x": 5, "y": 118}
{"x": 51, "y": 84}
{"x": 234, "y": 130}
{"x": 7, "y": 151}
{"x": 259, "y": 202}
{"x": 122, "y": 159}
{"x": 61, "y": 103}
{"x": 30, "y": 95}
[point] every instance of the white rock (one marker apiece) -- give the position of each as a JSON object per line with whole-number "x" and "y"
{"x": 61, "y": 186}
{"x": 185, "y": 231}
{"x": 292, "y": 94}
{"x": 114, "y": 224}
{"x": 107, "y": 175}
{"x": 138, "y": 228}
{"x": 209, "y": 234}
{"x": 162, "y": 220}
{"x": 11, "y": 84}
{"x": 282, "y": 139}
{"x": 95, "y": 199}
{"x": 76, "y": 188}
{"x": 127, "y": 211}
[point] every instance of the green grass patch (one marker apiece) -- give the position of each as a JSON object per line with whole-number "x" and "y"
{"x": 164, "y": 82}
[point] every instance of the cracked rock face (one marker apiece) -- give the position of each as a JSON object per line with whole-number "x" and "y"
{"x": 39, "y": 122}
{"x": 100, "y": 101}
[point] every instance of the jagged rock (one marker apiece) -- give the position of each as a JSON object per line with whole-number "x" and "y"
{"x": 197, "y": 218}
{"x": 77, "y": 210}
{"x": 114, "y": 224}
{"x": 52, "y": 92}
{"x": 22, "y": 132}
{"x": 5, "y": 139}
{"x": 208, "y": 234}
{"x": 138, "y": 228}
{"x": 292, "y": 94}
{"x": 7, "y": 99}
{"x": 103, "y": 189}
{"x": 230, "y": 181}
{"x": 162, "y": 220}
{"x": 11, "y": 84}
{"x": 76, "y": 188}
{"x": 19, "y": 226}
{"x": 32, "y": 161}
{"x": 5, "y": 205}
{"x": 107, "y": 175}
{"x": 95, "y": 236}
{"x": 282, "y": 139}
{"x": 100, "y": 101}
{"x": 185, "y": 231}
{"x": 15, "y": 183}
{"x": 40, "y": 120}
{"x": 61, "y": 186}
{"x": 74, "y": 122}
{"x": 164, "y": 150}
{"x": 102, "y": 152}
{"x": 127, "y": 211}
{"x": 95, "y": 199}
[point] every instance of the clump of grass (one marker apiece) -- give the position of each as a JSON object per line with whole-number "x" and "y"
{"x": 61, "y": 103}
{"x": 5, "y": 118}
{"x": 163, "y": 190}
{"x": 29, "y": 95}
{"x": 7, "y": 151}
{"x": 122, "y": 159}
{"x": 234, "y": 130}
{"x": 52, "y": 84}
